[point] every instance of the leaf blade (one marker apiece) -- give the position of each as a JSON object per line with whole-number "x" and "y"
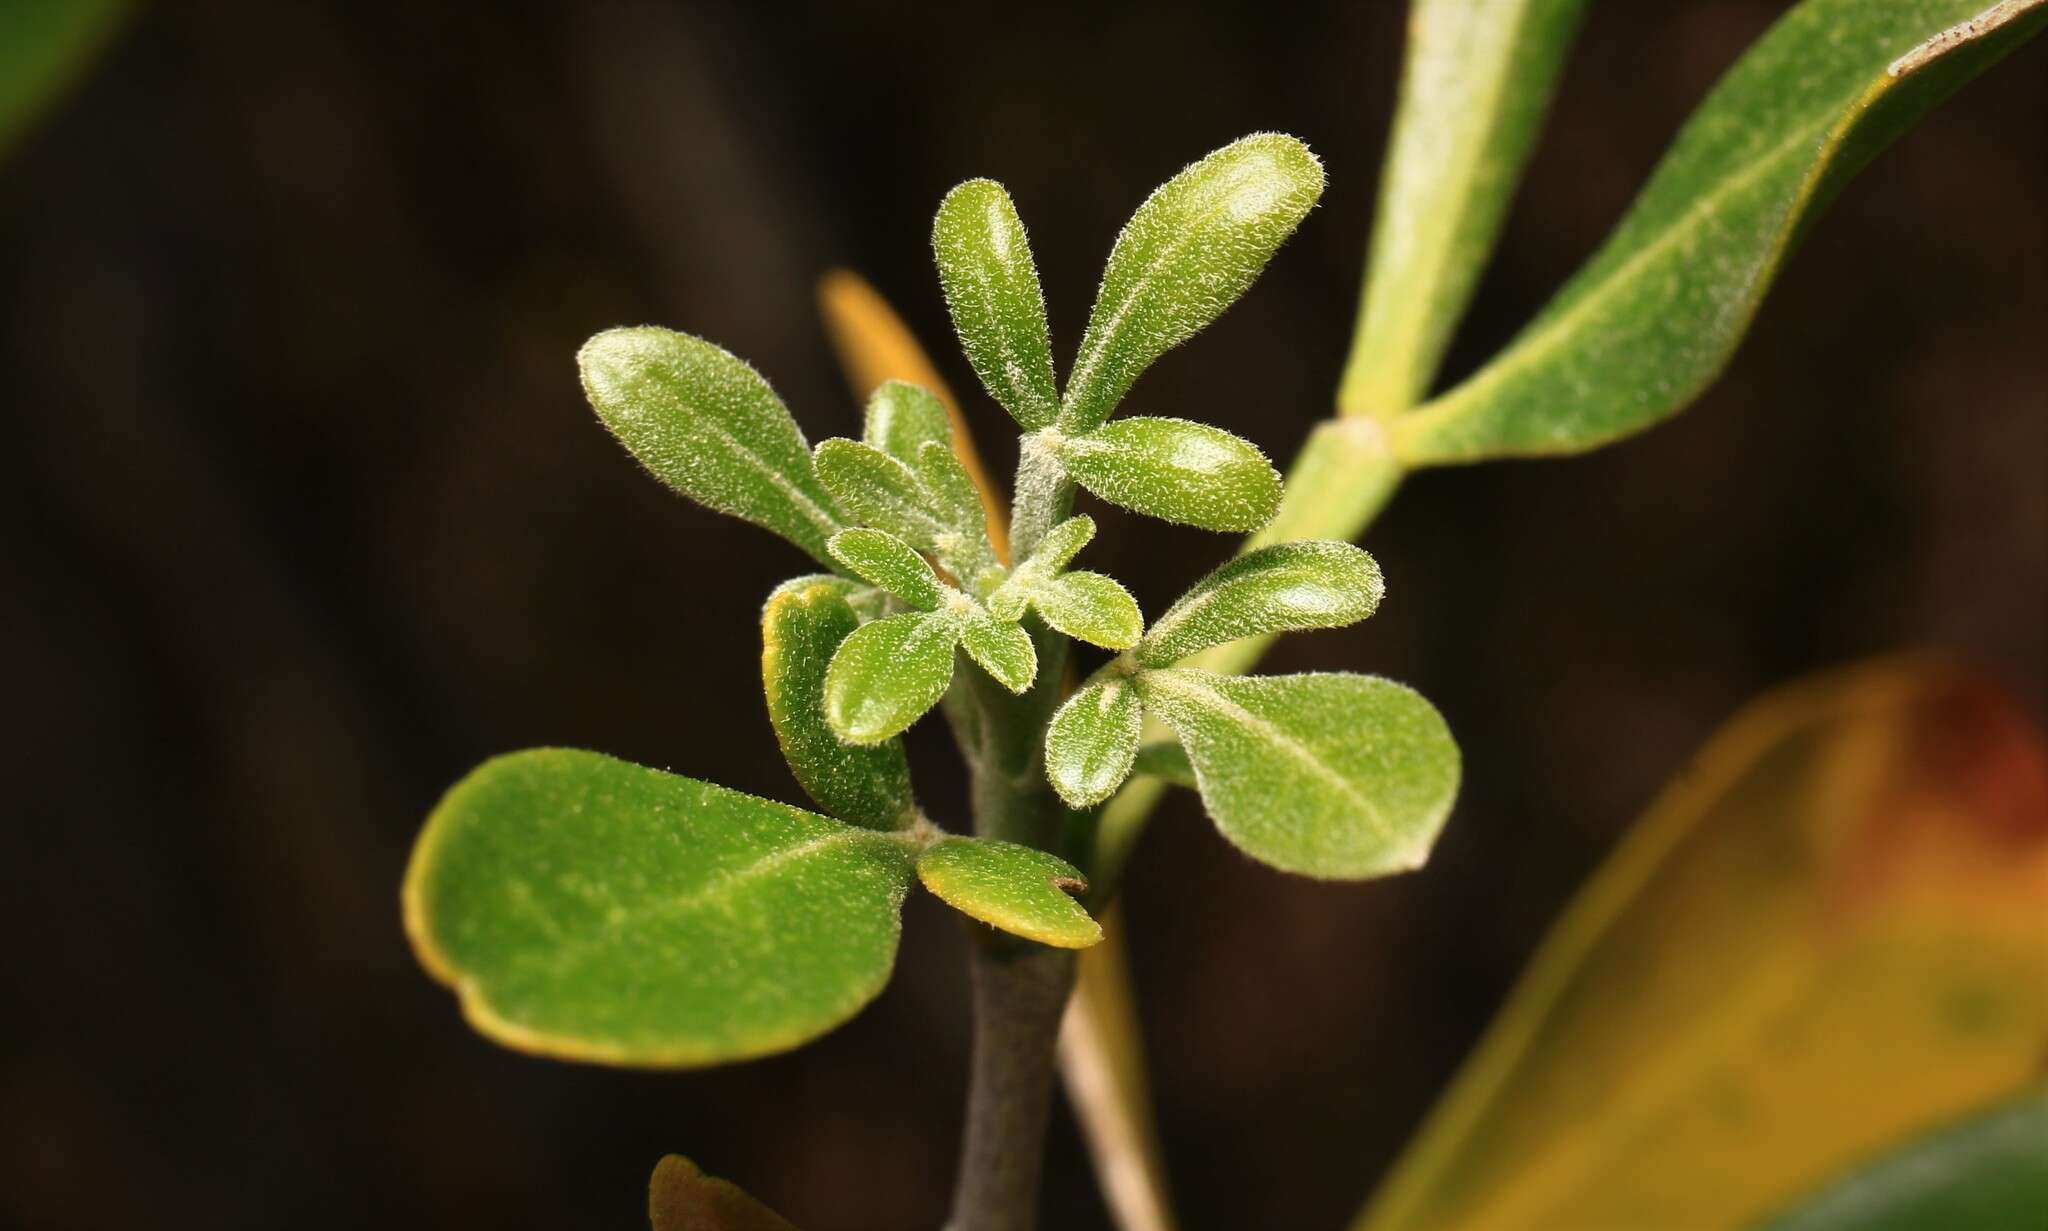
{"x": 1002, "y": 648}
{"x": 1019, "y": 889}
{"x": 883, "y": 560}
{"x": 902, "y": 418}
{"x": 1091, "y": 742}
{"x": 1283, "y": 588}
{"x": 887, "y": 674}
{"x": 879, "y": 490}
{"x": 1091, "y": 607}
{"x": 1176, "y": 470}
{"x": 992, "y": 292}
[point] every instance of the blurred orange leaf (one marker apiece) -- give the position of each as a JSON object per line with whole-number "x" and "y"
{"x": 1831, "y": 931}
{"x": 680, "y": 1197}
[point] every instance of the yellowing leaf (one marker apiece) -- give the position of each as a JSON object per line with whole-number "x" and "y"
{"x": 1831, "y": 931}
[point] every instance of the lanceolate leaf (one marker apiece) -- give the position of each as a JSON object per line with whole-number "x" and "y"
{"x": 992, "y": 290}
{"x": 801, "y": 627}
{"x": 1655, "y": 315}
{"x": 707, "y": 425}
{"x": 1285, "y": 587}
{"x": 1023, "y": 891}
{"x": 1092, "y": 608}
{"x": 887, "y": 674}
{"x": 879, "y": 490}
{"x": 1002, "y": 648}
{"x": 902, "y": 418}
{"x": 888, "y": 562}
{"x": 1177, "y": 471}
{"x": 590, "y": 909}
{"x": 1342, "y": 777}
{"x": 1091, "y": 740}
{"x": 1186, "y": 255}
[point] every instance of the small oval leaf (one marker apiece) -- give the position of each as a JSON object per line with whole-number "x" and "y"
{"x": 705, "y": 423}
{"x": 883, "y": 559}
{"x": 1286, "y": 587}
{"x": 1023, "y": 891}
{"x": 1340, "y": 777}
{"x": 1002, "y": 648}
{"x": 902, "y": 418}
{"x": 589, "y": 909}
{"x": 1091, "y": 742}
{"x": 1177, "y": 471}
{"x": 1192, "y": 248}
{"x": 992, "y": 291}
{"x": 1092, "y": 608}
{"x": 802, "y": 626}
{"x": 888, "y": 674}
{"x": 878, "y": 490}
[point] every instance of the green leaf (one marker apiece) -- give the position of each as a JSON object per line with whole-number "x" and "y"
{"x": 1988, "y": 1173}
{"x": 1059, "y": 546}
{"x": 1177, "y": 471}
{"x": 1023, "y": 891}
{"x": 590, "y": 909}
{"x": 1192, "y": 248}
{"x": 680, "y": 1197}
{"x": 1167, "y": 761}
{"x": 881, "y": 558}
{"x": 802, "y": 626}
{"x": 1002, "y": 648}
{"x": 888, "y": 673}
{"x": 45, "y": 48}
{"x": 963, "y": 542}
{"x": 879, "y": 490}
{"x": 992, "y": 290}
{"x": 1090, "y": 743}
{"x": 1342, "y": 777}
{"x": 1657, "y": 312}
{"x": 1285, "y": 587}
{"x": 1092, "y": 608}
{"x": 706, "y": 424}
{"x": 1477, "y": 80}
{"x": 902, "y": 418}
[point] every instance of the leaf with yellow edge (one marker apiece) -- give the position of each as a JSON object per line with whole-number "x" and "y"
{"x": 1827, "y": 934}
{"x": 680, "y": 1197}
{"x": 1022, "y": 890}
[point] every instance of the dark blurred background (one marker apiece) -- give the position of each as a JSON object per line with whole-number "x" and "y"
{"x": 304, "y": 515}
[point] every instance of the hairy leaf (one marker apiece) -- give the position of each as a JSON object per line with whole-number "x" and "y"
{"x": 1177, "y": 471}
{"x": 1342, "y": 777}
{"x": 706, "y": 424}
{"x": 963, "y": 543}
{"x": 888, "y": 673}
{"x": 802, "y": 626}
{"x": 1021, "y": 890}
{"x": 1285, "y": 587}
{"x": 1655, "y": 315}
{"x": 1002, "y": 648}
{"x": 992, "y": 291}
{"x": 680, "y": 1197}
{"x": 590, "y": 909}
{"x": 879, "y": 490}
{"x": 902, "y": 418}
{"x": 1167, "y": 761}
{"x": 881, "y": 558}
{"x": 1059, "y": 546}
{"x": 1090, "y": 743}
{"x": 1192, "y": 248}
{"x": 1092, "y": 608}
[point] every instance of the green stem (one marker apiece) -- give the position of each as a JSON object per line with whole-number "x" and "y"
{"x": 1044, "y": 496}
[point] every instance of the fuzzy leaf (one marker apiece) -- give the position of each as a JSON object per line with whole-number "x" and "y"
{"x": 1341, "y": 777}
{"x": 680, "y": 1197}
{"x": 1285, "y": 587}
{"x": 706, "y": 424}
{"x": 1090, "y": 743}
{"x": 1167, "y": 761}
{"x": 1192, "y": 248}
{"x": 879, "y": 490}
{"x": 1092, "y": 608}
{"x": 992, "y": 291}
{"x": 802, "y": 626}
{"x": 902, "y": 418}
{"x": 1177, "y": 471}
{"x": 1656, "y": 314}
{"x": 1023, "y": 891}
{"x": 887, "y": 674}
{"x": 1002, "y": 648}
{"x": 887, "y": 561}
{"x": 963, "y": 544}
{"x": 590, "y": 909}
{"x": 1060, "y": 545}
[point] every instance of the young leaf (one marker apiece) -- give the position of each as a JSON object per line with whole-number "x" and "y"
{"x": 1090, "y": 743}
{"x": 589, "y": 909}
{"x": 1092, "y": 608}
{"x": 1285, "y": 587}
{"x": 887, "y": 561}
{"x": 1658, "y": 311}
{"x": 1023, "y": 891}
{"x": 1059, "y": 546}
{"x": 963, "y": 543}
{"x": 1177, "y": 471}
{"x": 706, "y": 424}
{"x": 801, "y": 627}
{"x": 1192, "y": 248}
{"x": 888, "y": 673}
{"x": 680, "y": 1197}
{"x": 879, "y": 490}
{"x": 1003, "y": 650}
{"x": 1341, "y": 777}
{"x": 992, "y": 291}
{"x": 902, "y": 418}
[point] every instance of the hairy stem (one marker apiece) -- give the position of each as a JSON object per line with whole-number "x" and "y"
{"x": 1019, "y": 997}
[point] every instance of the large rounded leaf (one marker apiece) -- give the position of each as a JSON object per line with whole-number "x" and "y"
{"x": 590, "y": 909}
